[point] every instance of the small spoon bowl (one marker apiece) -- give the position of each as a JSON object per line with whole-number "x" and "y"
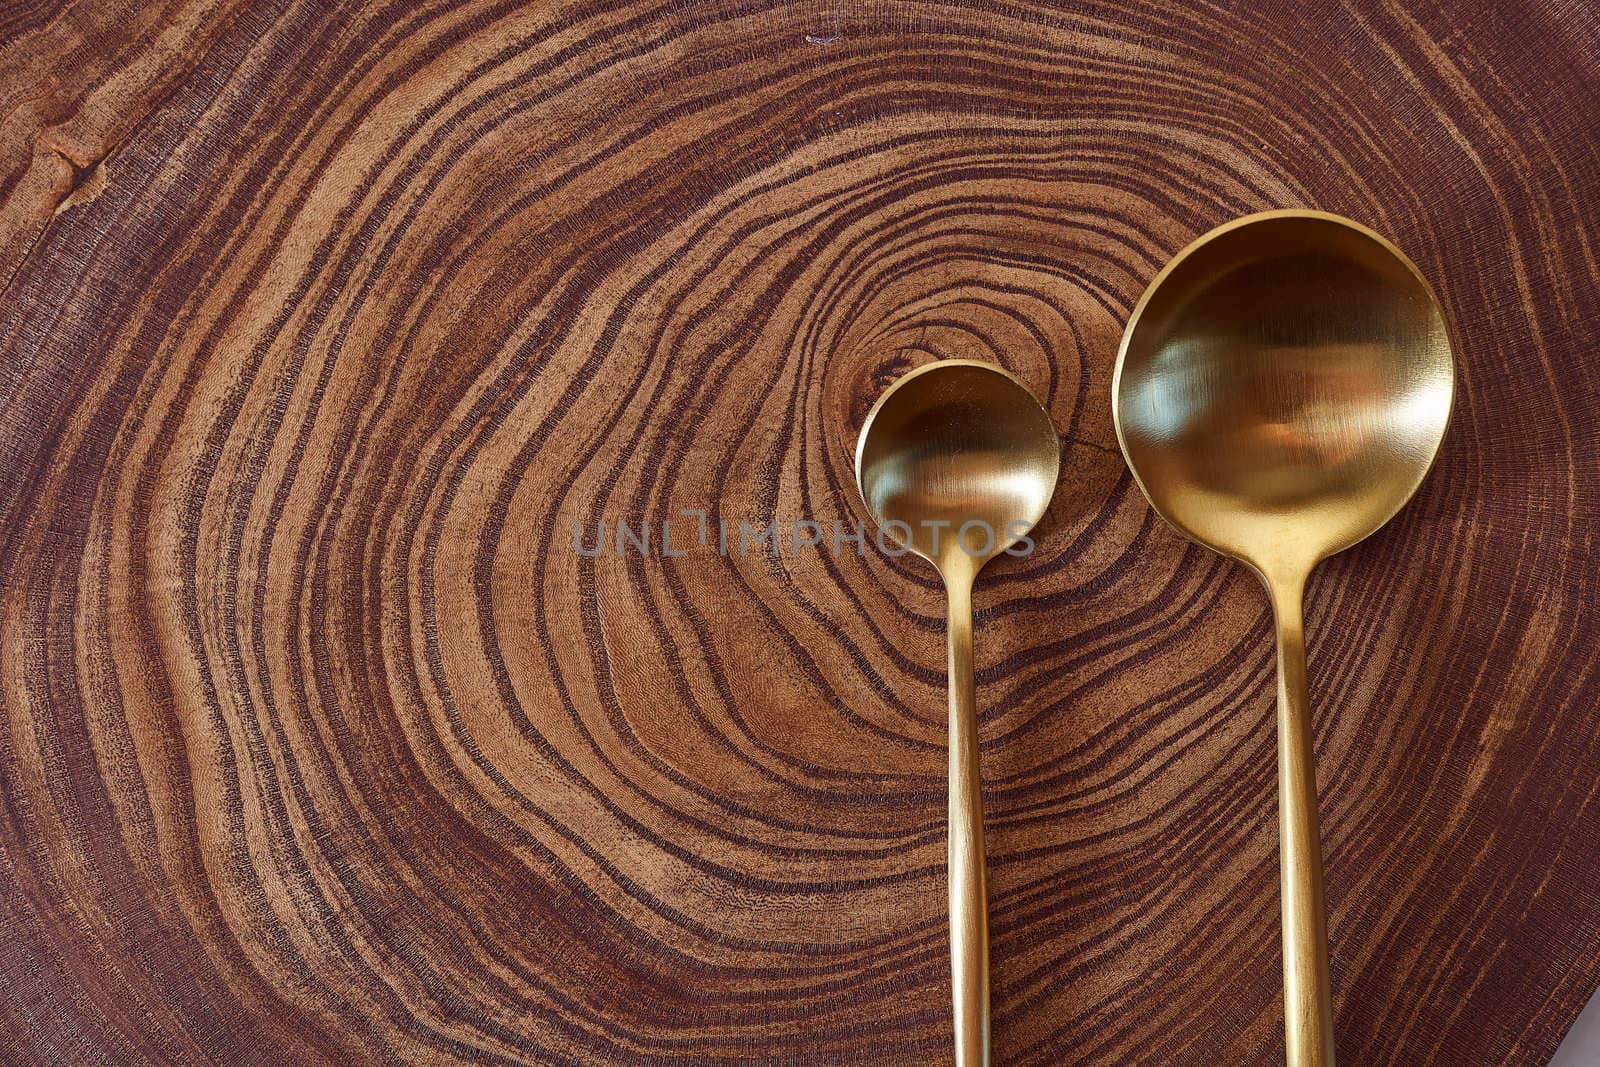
{"x": 1283, "y": 387}
{"x": 957, "y": 461}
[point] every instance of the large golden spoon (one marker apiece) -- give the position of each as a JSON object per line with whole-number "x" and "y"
{"x": 1281, "y": 391}
{"x": 956, "y": 462}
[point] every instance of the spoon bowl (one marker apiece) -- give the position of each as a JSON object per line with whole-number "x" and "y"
{"x": 1283, "y": 387}
{"x": 957, "y": 461}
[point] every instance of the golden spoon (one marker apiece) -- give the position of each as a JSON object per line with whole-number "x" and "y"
{"x": 1281, "y": 391}
{"x": 956, "y": 462}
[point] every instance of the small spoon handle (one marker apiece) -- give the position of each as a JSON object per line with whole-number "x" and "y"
{"x": 1307, "y": 1004}
{"x": 969, "y": 921}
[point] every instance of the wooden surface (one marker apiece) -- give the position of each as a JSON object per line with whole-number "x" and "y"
{"x": 320, "y": 328}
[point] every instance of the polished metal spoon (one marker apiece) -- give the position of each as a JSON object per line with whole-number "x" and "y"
{"x": 1281, "y": 391}
{"x": 956, "y": 462}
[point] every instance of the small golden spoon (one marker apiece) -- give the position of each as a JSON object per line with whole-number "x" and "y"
{"x": 957, "y": 461}
{"x": 1281, "y": 391}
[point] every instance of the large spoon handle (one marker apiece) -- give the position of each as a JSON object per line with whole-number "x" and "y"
{"x": 1307, "y": 1004}
{"x": 969, "y": 921}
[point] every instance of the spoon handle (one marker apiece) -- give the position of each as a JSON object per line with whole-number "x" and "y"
{"x": 1307, "y": 1004}
{"x": 969, "y": 921}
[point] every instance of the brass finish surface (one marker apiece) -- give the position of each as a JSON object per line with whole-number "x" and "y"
{"x": 957, "y": 460}
{"x": 1281, "y": 391}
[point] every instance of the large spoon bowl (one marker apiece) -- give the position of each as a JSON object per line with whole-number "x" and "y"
{"x": 956, "y": 462}
{"x": 1281, "y": 391}
{"x": 1283, "y": 387}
